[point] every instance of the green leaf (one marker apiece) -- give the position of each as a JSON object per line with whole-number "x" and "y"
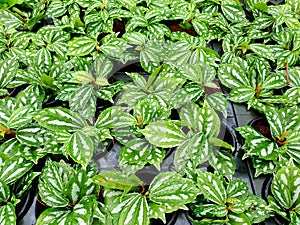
{"x": 20, "y": 117}
{"x": 233, "y": 13}
{"x": 224, "y": 163}
{"x": 241, "y": 94}
{"x": 211, "y": 187}
{"x": 262, "y": 50}
{"x": 81, "y": 46}
{"x": 60, "y": 119}
{"x": 7, "y": 214}
{"x": 53, "y": 216}
{"x": 274, "y": 81}
{"x": 164, "y": 134}
{"x": 80, "y": 147}
{"x": 14, "y": 168}
{"x": 285, "y": 186}
{"x": 218, "y": 102}
{"x": 157, "y": 211}
{"x": 276, "y": 122}
{"x": 4, "y": 191}
{"x": 10, "y": 21}
{"x": 51, "y": 185}
{"x": 237, "y": 189}
{"x": 83, "y": 211}
{"x": 32, "y": 136}
{"x": 116, "y": 180}
{"x": 43, "y": 58}
{"x": 8, "y": 69}
{"x": 115, "y": 117}
{"x": 232, "y": 76}
{"x": 238, "y": 219}
{"x": 172, "y": 190}
{"x": 132, "y": 210}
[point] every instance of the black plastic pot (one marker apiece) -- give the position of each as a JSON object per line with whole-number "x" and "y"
{"x": 29, "y": 209}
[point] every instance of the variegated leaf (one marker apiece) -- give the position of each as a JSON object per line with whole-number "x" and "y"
{"x": 133, "y": 209}
{"x": 10, "y": 20}
{"x": 223, "y": 163}
{"x": 13, "y": 168}
{"x": 164, "y": 134}
{"x": 20, "y": 117}
{"x": 53, "y": 216}
{"x": 115, "y": 117}
{"x": 81, "y": 46}
{"x": 172, "y": 190}
{"x": 211, "y": 187}
{"x": 79, "y": 147}
{"x": 51, "y": 185}
{"x": 233, "y": 13}
{"x": 262, "y": 50}
{"x": 32, "y": 136}
{"x": 276, "y": 122}
{"x": 60, "y": 119}
{"x": 241, "y": 94}
{"x": 8, "y": 69}
{"x": 4, "y": 191}
{"x": 238, "y": 219}
{"x": 232, "y": 76}
{"x": 7, "y": 214}
{"x": 285, "y": 186}
{"x": 218, "y": 102}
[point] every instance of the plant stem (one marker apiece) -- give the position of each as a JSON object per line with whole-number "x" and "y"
{"x": 287, "y": 72}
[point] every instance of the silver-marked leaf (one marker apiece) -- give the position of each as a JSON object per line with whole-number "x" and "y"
{"x": 9, "y": 20}
{"x": 4, "y": 191}
{"x": 276, "y": 121}
{"x": 223, "y": 163}
{"x": 53, "y": 216}
{"x": 157, "y": 211}
{"x": 60, "y": 119}
{"x": 43, "y": 59}
{"x": 80, "y": 147}
{"x": 285, "y": 186}
{"x": 13, "y": 168}
{"x": 263, "y": 166}
{"x": 83, "y": 211}
{"x": 7, "y": 214}
{"x": 133, "y": 209}
{"x": 8, "y": 69}
{"x": 232, "y": 76}
{"x": 238, "y": 219}
{"x": 274, "y": 81}
{"x": 33, "y": 136}
{"x": 115, "y": 117}
{"x": 258, "y": 211}
{"x": 238, "y": 189}
{"x": 262, "y": 50}
{"x": 20, "y": 117}
{"x": 241, "y": 94}
{"x": 51, "y": 185}
{"x": 233, "y": 13}
{"x": 148, "y": 110}
{"x": 172, "y": 190}
{"x": 164, "y": 134}
{"x": 211, "y": 187}
{"x": 218, "y": 102}
{"x": 81, "y": 46}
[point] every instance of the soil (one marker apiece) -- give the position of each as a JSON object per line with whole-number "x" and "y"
{"x": 174, "y": 26}
{"x": 119, "y": 26}
{"x": 262, "y": 126}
